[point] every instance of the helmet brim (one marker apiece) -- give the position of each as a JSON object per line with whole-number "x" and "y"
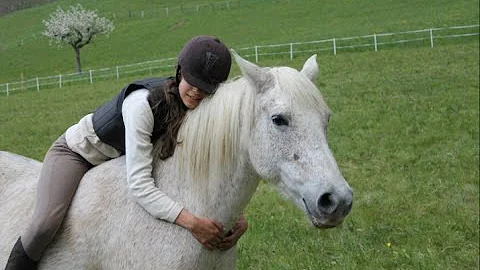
{"x": 196, "y": 82}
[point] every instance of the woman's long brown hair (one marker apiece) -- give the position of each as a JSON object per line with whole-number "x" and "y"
{"x": 168, "y": 112}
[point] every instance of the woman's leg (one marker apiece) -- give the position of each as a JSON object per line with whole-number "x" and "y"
{"x": 61, "y": 172}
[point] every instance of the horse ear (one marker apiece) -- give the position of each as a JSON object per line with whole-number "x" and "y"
{"x": 259, "y": 76}
{"x": 311, "y": 69}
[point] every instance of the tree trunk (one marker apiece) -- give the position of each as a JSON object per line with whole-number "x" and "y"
{"x": 77, "y": 60}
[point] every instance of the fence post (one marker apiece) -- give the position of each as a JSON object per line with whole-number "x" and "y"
{"x": 91, "y": 78}
{"x": 334, "y": 47}
{"x": 7, "y": 90}
{"x": 375, "y": 42}
{"x": 118, "y": 74}
{"x": 60, "y": 80}
{"x": 256, "y": 54}
{"x": 291, "y": 51}
{"x": 38, "y": 85}
{"x": 166, "y": 10}
{"x": 143, "y": 14}
{"x": 431, "y": 37}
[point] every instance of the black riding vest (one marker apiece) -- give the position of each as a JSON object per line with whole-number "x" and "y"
{"x": 107, "y": 119}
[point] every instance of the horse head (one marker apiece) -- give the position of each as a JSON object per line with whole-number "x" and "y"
{"x": 288, "y": 141}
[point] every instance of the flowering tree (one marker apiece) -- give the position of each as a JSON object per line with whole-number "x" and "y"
{"x": 76, "y": 27}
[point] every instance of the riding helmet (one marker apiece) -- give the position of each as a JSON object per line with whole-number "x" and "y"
{"x": 204, "y": 62}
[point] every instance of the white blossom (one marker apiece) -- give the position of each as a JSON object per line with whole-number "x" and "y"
{"x": 76, "y": 26}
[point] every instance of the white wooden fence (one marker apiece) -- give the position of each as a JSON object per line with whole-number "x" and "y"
{"x": 375, "y": 41}
{"x": 184, "y": 8}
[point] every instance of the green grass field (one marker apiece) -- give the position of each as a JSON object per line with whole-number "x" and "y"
{"x": 405, "y": 130}
{"x": 245, "y": 24}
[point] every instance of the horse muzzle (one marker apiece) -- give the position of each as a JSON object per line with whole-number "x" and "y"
{"x": 329, "y": 209}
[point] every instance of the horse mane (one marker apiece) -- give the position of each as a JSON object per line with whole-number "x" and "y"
{"x": 213, "y": 134}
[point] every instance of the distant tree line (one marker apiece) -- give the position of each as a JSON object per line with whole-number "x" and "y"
{"x": 8, "y": 6}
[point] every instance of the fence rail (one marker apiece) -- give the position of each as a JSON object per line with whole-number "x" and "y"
{"x": 184, "y": 8}
{"x": 375, "y": 41}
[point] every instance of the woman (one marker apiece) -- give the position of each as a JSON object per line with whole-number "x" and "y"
{"x": 142, "y": 113}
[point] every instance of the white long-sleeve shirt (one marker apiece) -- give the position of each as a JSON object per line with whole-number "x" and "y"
{"x": 139, "y": 121}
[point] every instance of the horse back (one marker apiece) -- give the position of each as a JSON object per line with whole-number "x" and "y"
{"x": 18, "y": 178}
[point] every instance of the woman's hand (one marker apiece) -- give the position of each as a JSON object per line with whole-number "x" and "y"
{"x": 208, "y": 232}
{"x": 238, "y": 230}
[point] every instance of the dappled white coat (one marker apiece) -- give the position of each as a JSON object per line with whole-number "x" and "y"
{"x": 269, "y": 124}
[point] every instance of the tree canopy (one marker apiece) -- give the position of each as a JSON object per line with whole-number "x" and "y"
{"x": 76, "y": 27}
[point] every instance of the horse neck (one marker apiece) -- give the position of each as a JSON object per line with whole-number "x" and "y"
{"x": 220, "y": 199}
{"x": 212, "y": 177}
{"x": 227, "y": 198}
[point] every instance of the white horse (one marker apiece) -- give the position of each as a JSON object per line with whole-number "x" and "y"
{"x": 269, "y": 124}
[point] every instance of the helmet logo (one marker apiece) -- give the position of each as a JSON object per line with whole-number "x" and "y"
{"x": 210, "y": 60}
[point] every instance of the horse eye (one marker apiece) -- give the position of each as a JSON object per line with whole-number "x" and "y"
{"x": 279, "y": 120}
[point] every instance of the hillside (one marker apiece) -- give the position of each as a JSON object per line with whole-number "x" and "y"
{"x": 25, "y": 53}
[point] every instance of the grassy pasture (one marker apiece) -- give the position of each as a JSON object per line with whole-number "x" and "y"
{"x": 24, "y": 52}
{"x": 404, "y": 132}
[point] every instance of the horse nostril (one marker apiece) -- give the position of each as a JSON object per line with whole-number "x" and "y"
{"x": 333, "y": 204}
{"x": 325, "y": 201}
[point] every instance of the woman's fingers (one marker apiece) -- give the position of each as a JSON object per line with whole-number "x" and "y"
{"x": 210, "y": 233}
{"x": 219, "y": 226}
{"x": 209, "y": 247}
{"x": 232, "y": 238}
{"x": 215, "y": 241}
{"x": 226, "y": 245}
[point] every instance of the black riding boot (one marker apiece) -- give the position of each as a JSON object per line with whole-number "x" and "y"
{"x": 19, "y": 260}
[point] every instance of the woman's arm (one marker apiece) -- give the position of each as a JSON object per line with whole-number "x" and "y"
{"x": 138, "y": 119}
